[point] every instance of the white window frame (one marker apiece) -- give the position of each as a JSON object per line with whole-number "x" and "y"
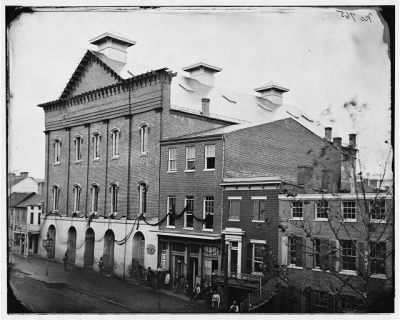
{"x": 114, "y": 188}
{"x": 378, "y": 258}
{"x": 292, "y": 207}
{"x": 56, "y": 197}
{"x": 57, "y": 151}
{"x": 353, "y": 247}
{"x": 186, "y": 213}
{"x": 204, "y": 212}
{"x": 230, "y": 199}
{"x": 94, "y": 190}
{"x": 172, "y": 159}
{"x": 115, "y": 133}
{"x": 144, "y": 138}
{"x": 76, "y": 192}
{"x": 253, "y": 248}
{"x": 96, "y": 145}
{"x": 374, "y": 220}
{"x": 208, "y": 155}
{"x": 355, "y": 211}
{"x": 257, "y": 198}
{"x": 191, "y": 159}
{"x": 317, "y": 210}
{"x": 317, "y": 253}
{"x": 168, "y": 204}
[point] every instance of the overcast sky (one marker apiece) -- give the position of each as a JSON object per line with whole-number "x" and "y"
{"x": 323, "y": 58}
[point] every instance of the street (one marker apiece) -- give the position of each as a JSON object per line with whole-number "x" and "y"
{"x": 85, "y": 291}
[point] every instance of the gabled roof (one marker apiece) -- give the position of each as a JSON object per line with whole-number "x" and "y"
{"x": 112, "y": 66}
{"x": 13, "y": 180}
{"x": 17, "y": 197}
{"x": 32, "y": 200}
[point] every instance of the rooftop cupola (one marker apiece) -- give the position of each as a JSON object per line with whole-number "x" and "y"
{"x": 114, "y": 47}
{"x": 273, "y": 92}
{"x": 202, "y": 72}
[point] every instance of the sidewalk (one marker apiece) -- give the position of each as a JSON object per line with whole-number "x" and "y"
{"x": 137, "y": 298}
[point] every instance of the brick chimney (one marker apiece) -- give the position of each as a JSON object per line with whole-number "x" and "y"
{"x": 24, "y": 174}
{"x": 352, "y": 140}
{"x": 205, "y": 106}
{"x": 202, "y": 72}
{"x": 273, "y": 92}
{"x": 114, "y": 47}
{"x": 337, "y": 142}
{"x": 328, "y": 133}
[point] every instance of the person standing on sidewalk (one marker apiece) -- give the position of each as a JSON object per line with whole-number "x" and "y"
{"x": 196, "y": 293}
{"x": 101, "y": 265}
{"x": 65, "y": 259}
{"x": 234, "y": 307}
{"x": 216, "y": 300}
{"x": 149, "y": 276}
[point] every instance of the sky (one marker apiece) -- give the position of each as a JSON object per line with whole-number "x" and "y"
{"x": 324, "y": 59}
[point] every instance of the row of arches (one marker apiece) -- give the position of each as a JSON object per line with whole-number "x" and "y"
{"x": 88, "y": 256}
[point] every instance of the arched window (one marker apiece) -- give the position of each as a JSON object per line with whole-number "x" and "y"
{"x": 144, "y": 130}
{"x": 115, "y": 142}
{"x": 96, "y": 145}
{"x": 78, "y": 141}
{"x": 95, "y": 197}
{"x": 57, "y": 151}
{"x": 114, "y": 198}
{"x": 142, "y": 197}
{"x": 76, "y": 193}
{"x": 56, "y": 195}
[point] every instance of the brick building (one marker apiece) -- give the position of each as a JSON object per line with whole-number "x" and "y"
{"x": 103, "y": 149}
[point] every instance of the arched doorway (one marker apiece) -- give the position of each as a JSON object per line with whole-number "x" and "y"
{"x": 51, "y": 234}
{"x": 138, "y": 248}
{"x": 108, "y": 255}
{"x": 71, "y": 245}
{"x": 88, "y": 256}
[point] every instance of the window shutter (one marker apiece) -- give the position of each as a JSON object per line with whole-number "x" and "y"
{"x": 299, "y": 251}
{"x": 284, "y": 250}
{"x": 361, "y": 257}
{"x": 324, "y": 254}
{"x": 333, "y": 255}
{"x": 256, "y": 209}
{"x": 309, "y": 257}
{"x": 249, "y": 260}
{"x": 389, "y": 259}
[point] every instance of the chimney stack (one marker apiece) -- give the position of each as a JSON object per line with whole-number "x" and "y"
{"x": 205, "y": 106}
{"x": 273, "y": 92}
{"x": 328, "y": 133}
{"x": 112, "y": 46}
{"x": 337, "y": 142}
{"x": 24, "y": 174}
{"x": 202, "y": 72}
{"x": 352, "y": 140}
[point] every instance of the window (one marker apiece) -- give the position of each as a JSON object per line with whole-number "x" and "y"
{"x": 95, "y": 197}
{"x": 96, "y": 146}
{"x": 292, "y": 250}
{"x": 320, "y": 301}
{"x": 349, "y": 210}
{"x": 317, "y": 253}
{"x": 38, "y": 220}
{"x": 56, "y": 195}
{"x": 378, "y": 257}
{"x": 144, "y": 133}
{"x": 348, "y": 255}
{"x": 190, "y": 158}
{"x": 259, "y": 208}
{"x": 32, "y": 215}
{"x": 142, "y": 198}
{"x": 115, "y": 142}
{"x": 189, "y": 205}
{"x": 258, "y": 257}
{"x": 208, "y": 213}
{"x": 234, "y": 208}
{"x": 171, "y": 205}
{"x": 114, "y": 198}
{"x": 321, "y": 208}
{"x": 57, "y": 151}
{"x": 172, "y": 159}
{"x": 378, "y": 210}
{"x": 209, "y": 157}
{"x": 78, "y": 141}
{"x": 297, "y": 209}
{"x": 76, "y": 198}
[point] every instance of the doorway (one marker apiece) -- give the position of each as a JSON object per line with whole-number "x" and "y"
{"x": 108, "y": 254}
{"x": 193, "y": 271}
{"x": 71, "y": 245}
{"x": 52, "y": 236}
{"x": 88, "y": 256}
{"x": 138, "y": 247}
{"x": 178, "y": 262}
